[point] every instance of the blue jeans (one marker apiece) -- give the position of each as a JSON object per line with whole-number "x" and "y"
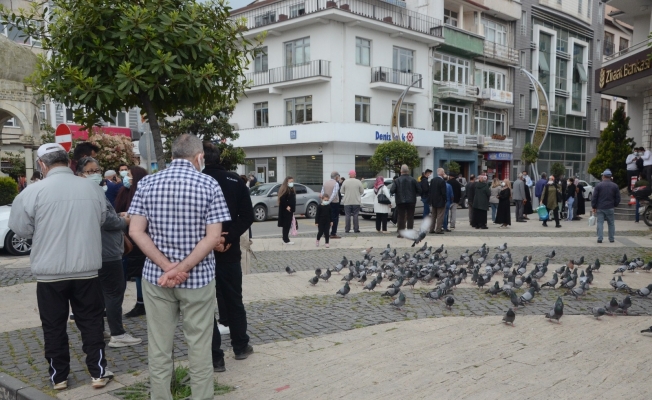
{"x": 607, "y": 214}
{"x": 570, "y": 200}
{"x": 335, "y": 217}
{"x": 426, "y": 206}
{"x": 638, "y": 207}
{"x": 446, "y": 212}
{"x": 494, "y": 210}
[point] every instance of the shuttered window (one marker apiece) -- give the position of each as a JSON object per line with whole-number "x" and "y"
{"x": 308, "y": 170}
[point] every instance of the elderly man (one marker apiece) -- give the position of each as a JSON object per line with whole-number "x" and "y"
{"x": 405, "y": 188}
{"x": 438, "y": 196}
{"x": 606, "y": 197}
{"x": 518, "y": 194}
{"x": 332, "y": 188}
{"x": 351, "y": 191}
{"x": 63, "y": 215}
{"x": 113, "y": 185}
{"x": 177, "y": 217}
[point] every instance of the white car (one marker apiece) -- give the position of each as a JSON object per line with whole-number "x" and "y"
{"x": 8, "y": 240}
{"x": 367, "y": 200}
{"x": 588, "y": 190}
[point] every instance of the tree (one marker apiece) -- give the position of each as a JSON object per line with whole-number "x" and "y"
{"x": 8, "y": 190}
{"x": 16, "y": 162}
{"x": 529, "y": 155}
{"x": 613, "y": 148}
{"x": 210, "y": 125}
{"x": 453, "y": 168}
{"x": 557, "y": 169}
{"x": 159, "y": 55}
{"x": 391, "y": 155}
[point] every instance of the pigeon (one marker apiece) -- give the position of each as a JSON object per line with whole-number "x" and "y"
{"x": 400, "y": 302}
{"x": 648, "y": 266}
{"x": 314, "y": 280}
{"x": 439, "y": 249}
{"x": 526, "y": 297}
{"x": 391, "y": 292}
{"x": 621, "y": 285}
{"x": 613, "y": 306}
{"x": 344, "y": 290}
{"x": 379, "y": 278}
{"x": 551, "y": 255}
{"x": 434, "y": 295}
{"x": 412, "y": 281}
{"x": 514, "y": 299}
{"x": 596, "y": 265}
{"x": 551, "y": 283}
{"x": 326, "y": 275}
{"x": 363, "y": 278}
{"x": 318, "y": 271}
{"x": 449, "y": 302}
{"x": 495, "y": 289}
{"x": 557, "y": 311}
{"x": 577, "y": 292}
{"x": 509, "y": 317}
{"x": 371, "y": 285}
{"x": 423, "y": 248}
{"x": 502, "y": 247}
{"x": 643, "y": 292}
{"x": 348, "y": 277}
{"x": 598, "y": 312}
{"x": 625, "y": 304}
{"x": 621, "y": 270}
{"x": 417, "y": 237}
{"x": 289, "y": 270}
{"x": 648, "y": 330}
{"x": 367, "y": 250}
{"x": 623, "y": 260}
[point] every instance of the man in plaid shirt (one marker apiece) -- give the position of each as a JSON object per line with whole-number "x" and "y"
{"x": 176, "y": 220}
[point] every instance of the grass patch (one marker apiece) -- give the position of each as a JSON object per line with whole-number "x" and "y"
{"x": 337, "y": 343}
{"x": 391, "y": 329}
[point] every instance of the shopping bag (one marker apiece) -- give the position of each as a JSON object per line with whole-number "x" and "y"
{"x": 543, "y": 213}
{"x": 592, "y": 220}
{"x": 632, "y": 201}
{"x": 293, "y": 228}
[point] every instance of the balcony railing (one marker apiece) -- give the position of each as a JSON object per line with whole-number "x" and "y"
{"x": 609, "y": 49}
{"x": 376, "y": 10}
{"x": 290, "y": 73}
{"x": 390, "y": 75}
{"x": 460, "y": 141}
{"x": 500, "y": 52}
{"x": 447, "y": 89}
{"x": 605, "y": 114}
{"x": 491, "y": 144}
{"x": 631, "y": 49}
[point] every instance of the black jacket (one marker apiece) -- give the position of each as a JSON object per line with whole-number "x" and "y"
{"x": 470, "y": 192}
{"x": 457, "y": 190}
{"x": 289, "y": 199}
{"x": 437, "y": 194}
{"x": 323, "y": 214}
{"x": 238, "y": 200}
{"x": 405, "y": 188}
{"x": 425, "y": 186}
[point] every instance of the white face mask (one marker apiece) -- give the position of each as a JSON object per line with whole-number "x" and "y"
{"x": 290, "y": 184}
{"x": 97, "y": 178}
{"x": 502, "y": 183}
{"x": 324, "y": 202}
{"x": 124, "y": 173}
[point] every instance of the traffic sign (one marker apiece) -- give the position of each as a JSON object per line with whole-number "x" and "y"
{"x": 63, "y": 136}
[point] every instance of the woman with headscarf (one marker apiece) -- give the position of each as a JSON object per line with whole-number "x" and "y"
{"x": 550, "y": 197}
{"x": 287, "y": 204}
{"x": 578, "y": 206}
{"x": 503, "y": 216}
{"x": 382, "y": 210}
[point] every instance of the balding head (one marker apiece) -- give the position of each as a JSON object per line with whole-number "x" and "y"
{"x": 335, "y": 175}
{"x": 440, "y": 172}
{"x": 404, "y": 169}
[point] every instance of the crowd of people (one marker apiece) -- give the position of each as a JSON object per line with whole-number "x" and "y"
{"x": 177, "y": 232}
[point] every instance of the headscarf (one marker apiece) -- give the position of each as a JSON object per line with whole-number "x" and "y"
{"x": 380, "y": 181}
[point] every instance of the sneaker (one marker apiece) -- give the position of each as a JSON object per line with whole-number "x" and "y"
{"x": 317, "y": 243}
{"x": 99, "y": 383}
{"x": 218, "y": 365}
{"x": 107, "y": 335}
{"x": 288, "y": 242}
{"x": 124, "y": 340}
{"x": 224, "y": 330}
{"x": 137, "y": 311}
{"x": 327, "y": 246}
{"x": 248, "y": 351}
{"x": 61, "y": 385}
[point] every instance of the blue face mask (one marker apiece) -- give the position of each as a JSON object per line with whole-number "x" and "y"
{"x": 124, "y": 174}
{"x": 126, "y": 182}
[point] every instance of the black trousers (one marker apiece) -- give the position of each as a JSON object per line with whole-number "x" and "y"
{"x": 381, "y": 221}
{"x": 322, "y": 230}
{"x": 405, "y": 215}
{"x": 555, "y": 212}
{"x": 479, "y": 218}
{"x": 85, "y": 299}
{"x": 335, "y": 217}
{"x": 112, "y": 280}
{"x": 228, "y": 280}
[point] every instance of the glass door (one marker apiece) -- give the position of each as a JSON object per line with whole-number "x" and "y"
{"x": 261, "y": 170}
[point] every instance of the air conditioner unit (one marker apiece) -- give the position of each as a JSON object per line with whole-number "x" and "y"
{"x": 481, "y": 140}
{"x": 380, "y": 76}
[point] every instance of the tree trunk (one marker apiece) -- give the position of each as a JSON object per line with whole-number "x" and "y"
{"x": 156, "y": 131}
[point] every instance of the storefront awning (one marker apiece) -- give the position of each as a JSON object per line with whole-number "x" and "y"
{"x": 80, "y": 133}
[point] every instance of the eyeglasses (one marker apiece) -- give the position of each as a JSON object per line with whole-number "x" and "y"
{"x": 93, "y": 171}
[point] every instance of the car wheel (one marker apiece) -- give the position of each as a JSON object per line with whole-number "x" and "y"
{"x": 17, "y": 246}
{"x": 366, "y": 217}
{"x": 590, "y": 196}
{"x": 311, "y": 210}
{"x": 260, "y": 213}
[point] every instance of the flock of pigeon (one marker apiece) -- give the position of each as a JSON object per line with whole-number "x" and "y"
{"x": 427, "y": 266}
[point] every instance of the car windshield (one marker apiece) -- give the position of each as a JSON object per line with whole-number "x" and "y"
{"x": 368, "y": 183}
{"x": 261, "y": 190}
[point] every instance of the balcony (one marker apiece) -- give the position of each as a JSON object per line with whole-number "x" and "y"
{"x": 378, "y": 15}
{"x": 460, "y": 41}
{"x": 633, "y": 49}
{"x": 275, "y": 79}
{"x": 486, "y": 143}
{"x": 458, "y": 141}
{"x": 500, "y": 53}
{"x": 495, "y": 98}
{"x": 456, "y": 92}
{"x": 394, "y": 80}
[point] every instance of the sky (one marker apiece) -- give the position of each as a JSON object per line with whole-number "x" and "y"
{"x": 235, "y": 4}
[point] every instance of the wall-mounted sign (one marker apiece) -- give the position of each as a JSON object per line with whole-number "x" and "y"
{"x": 626, "y": 70}
{"x": 293, "y": 134}
{"x": 500, "y": 96}
{"x": 387, "y": 137}
{"x": 498, "y": 156}
{"x": 270, "y": 174}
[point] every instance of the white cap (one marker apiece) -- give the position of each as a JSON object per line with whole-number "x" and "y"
{"x": 109, "y": 173}
{"x": 49, "y": 148}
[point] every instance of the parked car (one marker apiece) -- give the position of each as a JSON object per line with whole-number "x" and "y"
{"x": 265, "y": 201}
{"x": 8, "y": 239}
{"x": 367, "y": 206}
{"x": 588, "y": 193}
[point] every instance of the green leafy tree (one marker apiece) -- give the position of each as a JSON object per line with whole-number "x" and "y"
{"x": 159, "y": 55}
{"x": 16, "y": 163}
{"x": 452, "y": 168}
{"x": 529, "y": 155}
{"x": 557, "y": 169}
{"x": 391, "y": 155}
{"x": 613, "y": 148}
{"x": 210, "y": 125}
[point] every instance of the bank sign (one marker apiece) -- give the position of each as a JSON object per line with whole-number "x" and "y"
{"x": 387, "y": 137}
{"x": 499, "y": 156}
{"x": 629, "y": 69}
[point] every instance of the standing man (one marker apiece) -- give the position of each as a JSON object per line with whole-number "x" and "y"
{"x": 449, "y": 202}
{"x": 351, "y": 198}
{"x": 405, "y": 189}
{"x": 470, "y": 195}
{"x": 425, "y": 187}
{"x": 332, "y": 188}
{"x": 540, "y": 185}
{"x": 647, "y": 164}
{"x": 457, "y": 196}
{"x": 176, "y": 220}
{"x": 481, "y": 202}
{"x": 438, "y": 202}
{"x": 228, "y": 269}
{"x": 65, "y": 227}
{"x": 632, "y": 168}
{"x": 606, "y": 197}
{"x": 518, "y": 194}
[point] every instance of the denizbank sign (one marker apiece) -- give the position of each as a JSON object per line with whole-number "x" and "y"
{"x": 629, "y": 69}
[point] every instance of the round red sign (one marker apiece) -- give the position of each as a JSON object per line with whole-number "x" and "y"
{"x": 410, "y": 137}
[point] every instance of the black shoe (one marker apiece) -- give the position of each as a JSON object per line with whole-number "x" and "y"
{"x": 522, "y": 220}
{"x": 218, "y": 365}
{"x": 447, "y": 230}
{"x": 599, "y": 241}
{"x": 248, "y": 351}
{"x": 544, "y": 224}
{"x": 137, "y": 311}
{"x": 611, "y": 241}
{"x": 72, "y": 317}
{"x": 557, "y": 226}
{"x": 356, "y": 231}
{"x": 484, "y": 227}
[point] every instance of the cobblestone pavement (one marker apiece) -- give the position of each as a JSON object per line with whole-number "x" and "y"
{"x": 503, "y": 233}
{"x": 291, "y": 319}
{"x": 15, "y": 276}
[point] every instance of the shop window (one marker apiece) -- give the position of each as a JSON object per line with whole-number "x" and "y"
{"x": 298, "y": 110}
{"x": 362, "y": 109}
{"x": 362, "y": 169}
{"x": 261, "y": 114}
{"x": 362, "y": 51}
{"x": 306, "y": 170}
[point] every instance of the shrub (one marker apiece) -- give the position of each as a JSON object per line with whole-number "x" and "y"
{"x": 8, "y": 190}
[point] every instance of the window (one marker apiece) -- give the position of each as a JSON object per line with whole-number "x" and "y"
{"x": 609, "y": 44}
{"x": 406, "y": 117}
{"x": 43, "y": 114}
{"x": 605, "y": 110}
{"x": 450, "y": 69}
{"x": 261, "y": 114}
{"x": 545, "y": 43}
{"x": 523, "y": 22}
{"x": 260, "y": 60}
{"x": 362, "y": 109}
{"x": 492, "y": 80}
{"x": 599, "y": 12}
{"x": 297, "y": 10}
{"x": 265, "y": 19}
{"x": 494, "y": 32}
{"x": 297, "y": 52}
{"x": 519, "y": 139}
{"x": 450, "y": 17}
{"x": 450, "y": 119}
{"x": 118, "y": 120}
{"x": 362, "y": 51}
{"x": 12, "y": 123}
{"x": 598, "y": 49}
{"x": 595, "y": 117}
{"x": 523, "y": 59}
{"x": 15, "y": 33}
{"x": 579, "y": 77}
{"x": 624, "y": 44}
{"x": 403, "y": 59}
{"x": 298, "y": 110}
{"x": 521, "y": 106}
{"x": 562, "y": 68}
{"x": 489, "y": 123}
{"x": 579, "y": 6}
{"x": 620, "y": 104}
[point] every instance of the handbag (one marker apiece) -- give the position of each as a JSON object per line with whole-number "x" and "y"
{"x": 543, "y": 213}
{"x": 592, "y": 220}
{"x": 293, "y": 227}
{"x": 382, "y": 199}
{"x": 128, "y": 245}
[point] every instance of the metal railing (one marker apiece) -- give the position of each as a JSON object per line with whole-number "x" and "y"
{"x": 609, "y": 49}
{"x": 377, "y": 10}
{"x": 390, "y": 75}
{"x": 290, "y": 73}
{"x": 498, "y": 145}
{"x": 605, "y": 114}
{"x": 447, "y": 89}
{"x": 631, "y": 49}
{"x": 457, "y": 140}
{"x": 500, "y": 52}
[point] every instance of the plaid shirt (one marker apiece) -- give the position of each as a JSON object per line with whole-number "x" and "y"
{"x": 178, "y": 203}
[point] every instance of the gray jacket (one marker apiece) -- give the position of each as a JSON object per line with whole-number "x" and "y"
{"x": 63, "y": 215}
{"x": 112, "y": 235}
{"x": 519, "y": 190}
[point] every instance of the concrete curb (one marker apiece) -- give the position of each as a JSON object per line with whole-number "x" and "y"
{"x": 13, "y": 389}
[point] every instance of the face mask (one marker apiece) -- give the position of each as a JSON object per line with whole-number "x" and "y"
{"x": 502, "y": 183}
{"x": 97, "y": 178}
{"x": 124, "y": 173}
{"x": 550, "y": 182}
{"x": 325, "y": 203}
{"x": 126, "y": 182}
{"x": 201, "y": 163}
{"x": 290, "y": 184}
{"x": 105, "y": 188}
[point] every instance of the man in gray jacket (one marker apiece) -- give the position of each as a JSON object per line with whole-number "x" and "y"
{"x": 519, "y": 198}
{"x": 63, "y": 215}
